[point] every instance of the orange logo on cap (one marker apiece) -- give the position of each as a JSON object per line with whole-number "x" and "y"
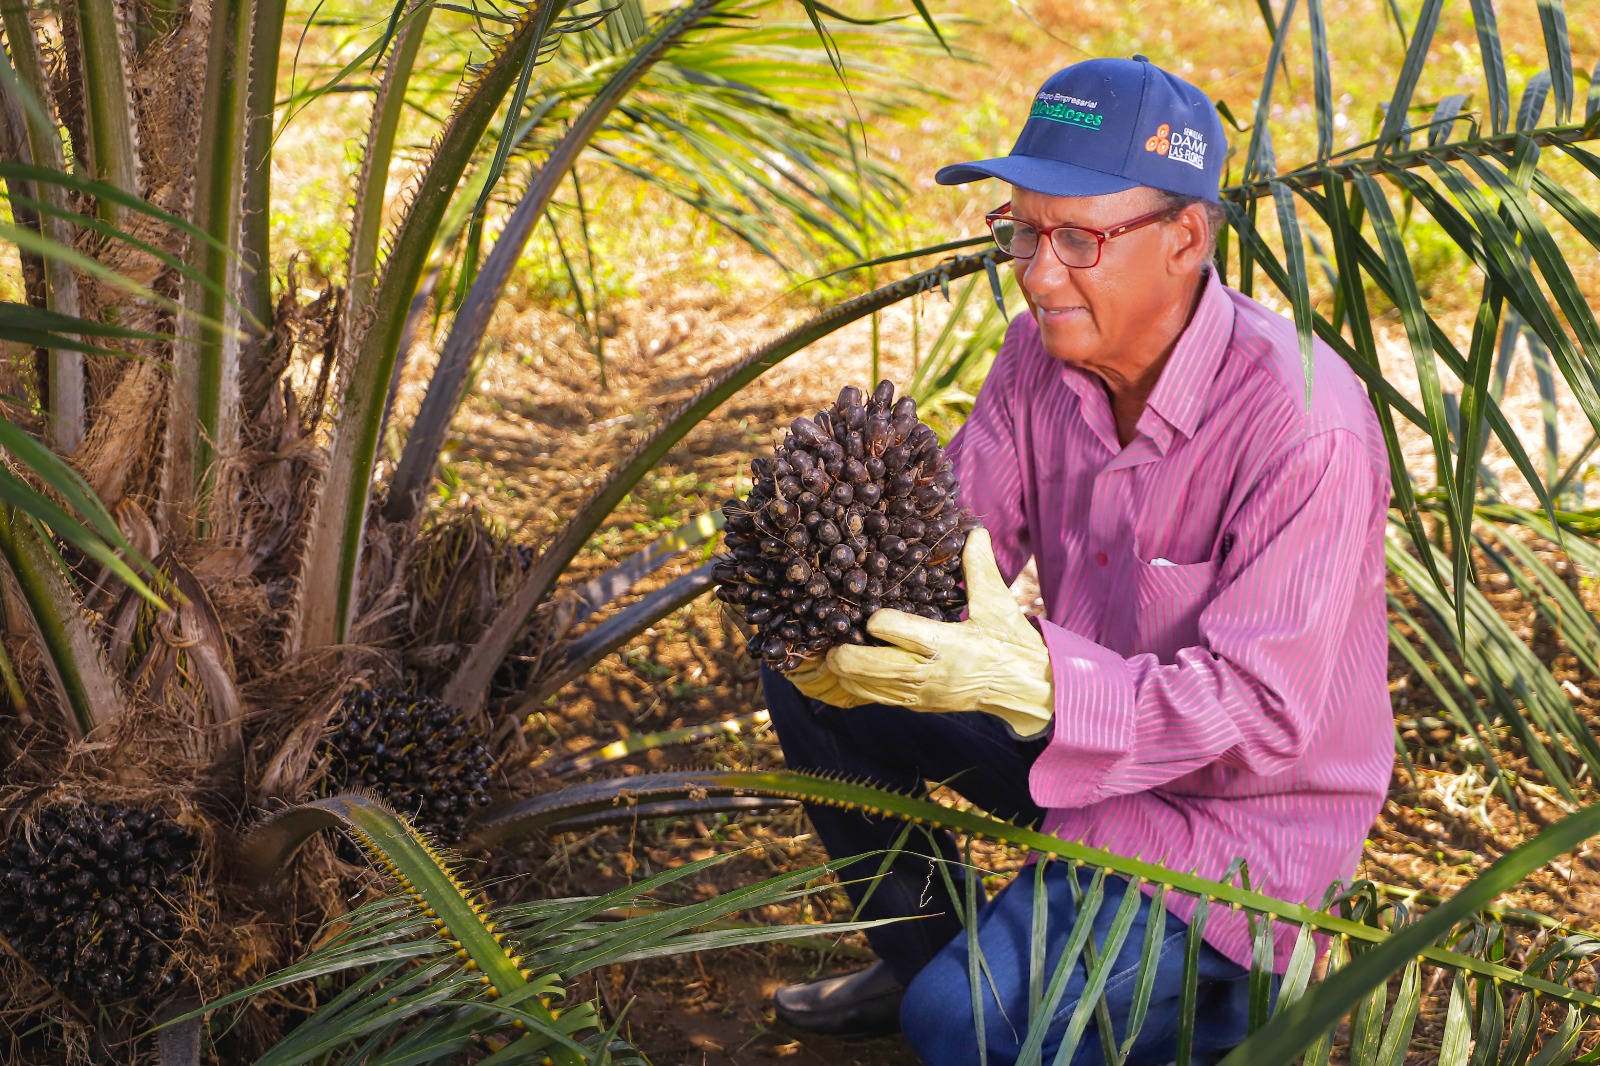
{"x": 1159, "y": 143}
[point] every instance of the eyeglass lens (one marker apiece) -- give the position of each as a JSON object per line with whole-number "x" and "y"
{"x": 1076, "y": 247}
{"x": 1015, "y": 238}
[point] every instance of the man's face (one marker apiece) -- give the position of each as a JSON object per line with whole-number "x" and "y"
{"x": 1099, "y": 318}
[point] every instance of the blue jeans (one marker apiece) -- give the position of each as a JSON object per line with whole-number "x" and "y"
{"x": 979, "y": 757}
{"x": 937, "y": 1014}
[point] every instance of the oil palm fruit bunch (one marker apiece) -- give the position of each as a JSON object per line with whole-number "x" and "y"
{"x": 855, "y": 510}
{"x": 416, "y": 752}
{"x": 87, "y": 895}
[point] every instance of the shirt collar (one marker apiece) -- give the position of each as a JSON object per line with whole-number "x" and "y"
{"x": 1183, "y": 392}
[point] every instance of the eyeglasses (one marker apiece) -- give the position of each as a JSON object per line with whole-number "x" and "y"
{"x": 1075, "y": 246}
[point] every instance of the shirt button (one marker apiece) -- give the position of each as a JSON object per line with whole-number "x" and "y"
{"x": 1100, "y": 558}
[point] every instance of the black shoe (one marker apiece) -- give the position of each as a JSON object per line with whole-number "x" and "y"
{"x": 860, "y": 1004}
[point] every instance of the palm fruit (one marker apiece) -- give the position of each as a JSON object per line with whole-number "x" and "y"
{"x": 414, "y": 751}
{"x": 855, "y": 510}
{"x": 87, "y": 895}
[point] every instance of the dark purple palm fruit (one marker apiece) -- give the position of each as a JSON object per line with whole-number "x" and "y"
{"x": 89, "y": 896}
{"x": 854, "y": 511}
{"x": 418, "y": 753}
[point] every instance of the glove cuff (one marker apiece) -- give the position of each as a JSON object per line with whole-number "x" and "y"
{"x": 1024, "y": 695}
{"x": 1024, "y": 726}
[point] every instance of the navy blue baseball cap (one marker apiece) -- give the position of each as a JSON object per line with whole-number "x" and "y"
{"x": 1105, "y": 125}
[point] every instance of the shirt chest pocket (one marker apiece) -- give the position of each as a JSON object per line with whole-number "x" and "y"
{"x": 1168, "y": 601}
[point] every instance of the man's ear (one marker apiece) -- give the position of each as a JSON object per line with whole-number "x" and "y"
{"x": 1189, "y": 244}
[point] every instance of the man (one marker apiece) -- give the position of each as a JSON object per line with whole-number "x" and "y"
{"x": 1209, "y": 682}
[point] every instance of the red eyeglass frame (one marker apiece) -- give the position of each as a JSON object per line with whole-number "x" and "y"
{"x": 1101, "y": 236}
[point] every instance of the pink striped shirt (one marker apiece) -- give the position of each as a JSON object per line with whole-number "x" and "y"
{"x": 1215, "y": 601}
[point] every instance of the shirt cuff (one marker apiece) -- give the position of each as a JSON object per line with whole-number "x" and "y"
{"x": 1094, "y": 720}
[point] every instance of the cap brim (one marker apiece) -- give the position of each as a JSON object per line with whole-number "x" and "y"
{"x": 1049, "y": 177}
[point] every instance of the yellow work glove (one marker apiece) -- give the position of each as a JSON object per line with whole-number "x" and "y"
{"x": 995, "y": 661}
{"x": 815, "y": 679}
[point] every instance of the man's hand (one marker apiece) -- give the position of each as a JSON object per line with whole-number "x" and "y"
{"x": 995, "y": 661}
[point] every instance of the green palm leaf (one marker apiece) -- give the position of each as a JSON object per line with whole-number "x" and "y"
{"x": 333, "y": 548}
{"x": 470, "y": 684}
{"x": 459, "y": 916}
{"x": 1491, "y": 195}
{"x": 472, "y": 318}
{"x": 719, "y": 114}
{"x": 1367, "y": 949}
{"x": 1292, "y": 1030}
{"x": 96, "y": 535}
{"x": 1522, "y": 690}
{"x": 408, "y": 996}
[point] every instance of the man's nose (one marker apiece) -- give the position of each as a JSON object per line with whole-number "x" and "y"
{"x": 1044, "y": 273}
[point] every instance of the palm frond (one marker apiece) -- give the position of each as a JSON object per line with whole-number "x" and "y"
{"x": 1297, "y": 1025}
{"x": 732, "y": 124}
{"x": 469, "y": 685}
{"x": 1372, "y": 939}
{"x": 722, "y": 115}
{"x": 264, "y": 41}
{"x": 1520, "y": 688}
{"x": 407, "y": 996}
{"x": 496, "y": 976}
{"x": 1521, "y": 691}
{"x": 1454, "y": 179}
{"x": 605, "y": 638}
{"x": 948, "y": 374}
{"x": 407, "y": 27}
{"x": 472, "y": 319}
{"x": 88, "y": 526}
{"x": 1491, "y": 194}
{"x": 334, "y": 541}
{"x": 202, "y": 418}
{"x": 572, "y": 658}
{"x": 634, "y": 743}
{"x": 33, "y": 138}
{"x": 110, "y": 151}
{"x": 86, "y": 688}
{"x": 58, "y": 327}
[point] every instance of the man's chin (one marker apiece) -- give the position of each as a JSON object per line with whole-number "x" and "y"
{"x": 1068, "y": 346}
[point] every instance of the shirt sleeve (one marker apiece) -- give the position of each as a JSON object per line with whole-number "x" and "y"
{"x": 1249, "y": 695}
{"x": 987, "y": 457}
